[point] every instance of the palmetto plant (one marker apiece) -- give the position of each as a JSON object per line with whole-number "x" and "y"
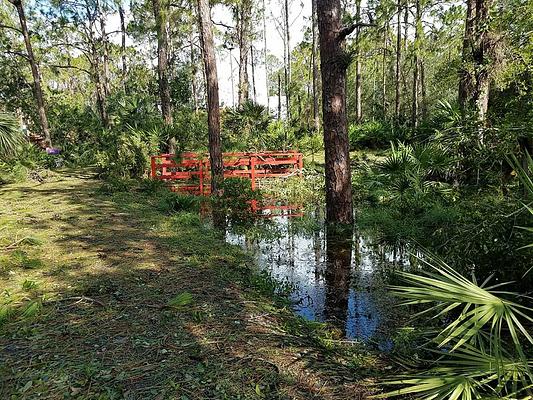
{"x": 10, "y": 135}
{"x": 413, "y": 173}
{"x": 525, "y": 174}
{"x": 480, "y": 352}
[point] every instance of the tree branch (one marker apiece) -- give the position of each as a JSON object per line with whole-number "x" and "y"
{"x": 69, "y": 67}
{"x": 16, "y": 53}
{"x": 10, "y": 27}
{"x": 344, "y": 32}
{"x": 223, "y": 25}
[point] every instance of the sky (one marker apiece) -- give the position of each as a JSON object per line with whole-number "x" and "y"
{"x": 299, "y": 14}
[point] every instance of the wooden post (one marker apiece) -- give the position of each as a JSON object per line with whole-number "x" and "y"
{"x": 152, "y": 167}
{"x": 164, "y": 159}
{"x": 252, "y": 172}
{"x": 201, "y": 173}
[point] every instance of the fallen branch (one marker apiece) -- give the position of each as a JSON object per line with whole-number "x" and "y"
{"x": 15, "y": 243}
{"x": 79, "y": 299}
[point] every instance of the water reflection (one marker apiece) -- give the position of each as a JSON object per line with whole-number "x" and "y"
{"x": 336, "y": 277}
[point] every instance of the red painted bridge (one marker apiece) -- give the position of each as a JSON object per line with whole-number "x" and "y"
{"x": 190, "y": 172}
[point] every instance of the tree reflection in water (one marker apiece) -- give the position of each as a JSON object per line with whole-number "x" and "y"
{"x": 338, "y": 276}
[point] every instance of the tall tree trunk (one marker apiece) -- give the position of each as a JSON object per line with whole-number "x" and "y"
{"x": 279, "y": 96}
{"x": 406, "y": 27}
{"x": 316, "y": 115}
{"x": 288, "y": 62}
{"x": 37, "y": 89}
{"x": 193, "y": 61}
{"x": 105, "y": 55}
{"x": 477, "y": 53}
{"x": 416, "y": 70}
{"x": 374, "y": 89}
{"x": 465, "y": 77}
{"x": 123, "y": 45}
{"x": 358, "y": 78}
{"x": 253, "y": 72}
{"x": 244, "y": 17}
{"x": 265, "y": 57}
{"x": 384, "y": 70}
{"x": 161, "y": 10}
{"x": 101, "y": 98}
{"x": 423, "y": 105}
{"x": 398, "y": 61}
{"x": 194, "y": 85}
{"x": 405, "y": 49}
{"x": 213, "y": 108}
{"x": 232, "y": 79}
{"x": 333, "y": 65}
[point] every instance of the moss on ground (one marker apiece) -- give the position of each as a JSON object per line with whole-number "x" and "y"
{"x": 103, "y": 296}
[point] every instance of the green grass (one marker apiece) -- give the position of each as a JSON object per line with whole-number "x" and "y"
{"x": 318, "y": 160}
{"x": 104, "y": 296}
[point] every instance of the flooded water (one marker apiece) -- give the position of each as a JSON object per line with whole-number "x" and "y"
{"x": 339, "y": 279}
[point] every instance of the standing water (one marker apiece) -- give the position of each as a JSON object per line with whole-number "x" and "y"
{"x": 341, "y": 281}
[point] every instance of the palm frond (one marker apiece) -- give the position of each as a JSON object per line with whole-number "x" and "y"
{"x": 10, "y": 135}
{"x": 481, "y": 307}
{"x": 470, "y": 371}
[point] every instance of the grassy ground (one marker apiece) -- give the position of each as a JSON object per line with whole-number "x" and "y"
{"x": 318, "y": 160}
{"x": 106, "y": 297}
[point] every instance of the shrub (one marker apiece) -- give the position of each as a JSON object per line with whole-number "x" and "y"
{"x": 374, "y": 135}
{"x": 236, "y": 193}
{"x": 125, "y": 154}
{"x": 413, "y": 174}
{"x": 176, "y": 202}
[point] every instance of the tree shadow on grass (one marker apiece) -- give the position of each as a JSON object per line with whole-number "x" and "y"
{"x": 111, "y": 333}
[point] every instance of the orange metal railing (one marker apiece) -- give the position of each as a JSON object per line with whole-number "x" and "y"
{"x": 191, "y": 171}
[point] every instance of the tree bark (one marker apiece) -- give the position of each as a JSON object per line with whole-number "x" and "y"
{"x": 194, "y": 84}
{"x": 253, "y": 73}
{"x": 279, "y": 96}
{"x": 358, "y": 78}
{"x": 384, "y": 71}
{"x": 105, "y": 55}
{"x": 37, "y": 89}
{"x": 123, "y": 45}
{"x": 244, "y": 16}
{"x": 333, "y": 65}
{"x": 423, "y": 105}
{"x": 94, "y": 59}
{"x": 316, "y": 115}
{"x": 405, "y": 49}
{"x": 288, "y": 62}
{"x": 398, "y": 61}
{"x": 161, "y": 10}
{"x": 265, "y": 57}
{"x": 213, "y": 108}
{"x": 465, "y": 77}
{"x": 474, "y": 79}
{"x": 101, "y": 99}
{"x": 416, "y": 70}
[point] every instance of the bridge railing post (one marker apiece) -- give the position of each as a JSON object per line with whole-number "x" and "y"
{"x": 252, "y": 172}
{"x": 164, "y": 159}
{"x": 201, "y": 174}
{"x": 152, "y": 167}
